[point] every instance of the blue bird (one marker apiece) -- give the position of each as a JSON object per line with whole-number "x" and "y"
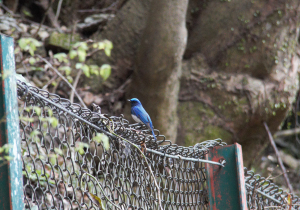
{"x": 140, "y": 115}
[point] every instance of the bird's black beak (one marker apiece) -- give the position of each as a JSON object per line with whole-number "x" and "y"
{"x": 128, "y": 100}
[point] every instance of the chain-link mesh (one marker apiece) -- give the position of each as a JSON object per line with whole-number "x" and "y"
{"x": 61, "y": 143}
{"x": 263, "y": 194}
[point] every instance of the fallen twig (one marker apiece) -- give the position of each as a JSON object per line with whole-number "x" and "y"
{"x": 49, "y": 82}
{"x": 278, "y": 158}
{"x": 75, "y": 85}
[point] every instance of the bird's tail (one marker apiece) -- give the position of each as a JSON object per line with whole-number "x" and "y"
{"x": 153, "y": 134}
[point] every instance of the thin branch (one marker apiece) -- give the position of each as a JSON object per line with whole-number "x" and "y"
{"x": 44, "y": 17}
{"x": 278, "y": 158}
{"x": 61, "y": 76}
{"x": 73, "y": 32}
{"x": 75, "y": 85}
{"x": 285, "y": 133}
{"x": 57, "y": 84}
{"x": 49, "y": 82}
{"x": 58, "y": 10}
{"x": 90, "y": 175}
{"x": 7, "y": 9}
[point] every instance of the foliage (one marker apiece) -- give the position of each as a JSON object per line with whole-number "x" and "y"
{"x": 79, "y": 52}
{"x": 28, "y": 45}
{"x": 82, "y": 50}
{"x": 100, "y": 137}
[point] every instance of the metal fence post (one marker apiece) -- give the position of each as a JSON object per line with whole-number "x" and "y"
{"x": 11, "y": 181}
{"x": 226, "y": 185}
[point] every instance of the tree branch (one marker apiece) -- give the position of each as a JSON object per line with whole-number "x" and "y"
{"x": 279, "y": 159}
{"x": 61, "y": 76}
{"x": 285, "y": 133}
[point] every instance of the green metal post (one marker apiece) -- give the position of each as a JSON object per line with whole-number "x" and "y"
{"x": 226, "y": 185}
{"x": 11, "y": 181}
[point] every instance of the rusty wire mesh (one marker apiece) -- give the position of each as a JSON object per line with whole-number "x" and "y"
{"x": 263, "y": 194}
{"x": 55, "y": 158}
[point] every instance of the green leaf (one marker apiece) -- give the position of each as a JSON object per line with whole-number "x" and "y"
{"x": 108, "y": 47}
{"x": 101, "y": 45}
{"x": 37, "y": 110}
{"x": 22, "y": 43}
{"x": 80, "y": 147}
{"x": 60, "y": 56}
{"x": 94, "y": 69}
{"x": 66, "y": 69}
{"x": 73, "y": 54}
{"x": 31, "y": 51}
{"x": 105, "y": 71}
{"x": 70, "y": 79}
{"x": 45, "y": 125}
{"x": 36, "y": 42}
{"x": 26, "y": 12}
{"x": 107, "y": 52}
{"x": 54, "y": 83}
{"x": 32, "y": 60}
{"x": 81, "y": 55}
{"x": 34, "y": 133}
{"x": 26, "y": 119}
{"x": 50, "y": 112}
{"x": 53, "y": 159}
{"x": 29, "y": 44}
{"x": 95, "y": 45}
{"x": 101, "y": 137}
{"x": 53, "y": 121}
{"x": 58, "y": 151}
{"x": 17, "y": 50}
{"x": 78, "y": 65}
{"x": 77, "y": 44}
{"x": 36, "y": 68}
{"x": 32, "y": 47}
{"x": 81, "y": 46}
{"x": 86, "y": 70}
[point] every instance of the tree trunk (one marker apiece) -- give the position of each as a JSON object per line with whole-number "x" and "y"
{"x": 158, "y": 67}
{"x": 125, "y": 32}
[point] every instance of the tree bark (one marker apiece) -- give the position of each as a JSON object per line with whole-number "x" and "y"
{"x": 158, "y": 65}
{"x": 125, "y": 32}
{"x": 241, "y": 69}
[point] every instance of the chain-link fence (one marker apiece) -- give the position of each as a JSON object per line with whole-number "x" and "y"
{"x": 56, "y": 156}
{"x": 263, "y": 194}
{"x": 62, "y": 142}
